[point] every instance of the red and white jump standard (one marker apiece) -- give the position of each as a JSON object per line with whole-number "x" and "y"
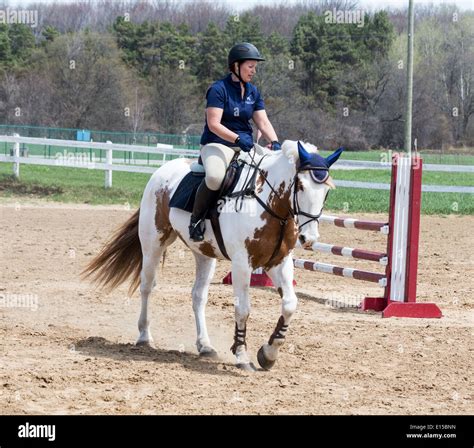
{"x": 401, "y": 258}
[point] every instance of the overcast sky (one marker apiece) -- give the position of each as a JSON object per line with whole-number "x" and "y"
{"x": 242, "y": 4}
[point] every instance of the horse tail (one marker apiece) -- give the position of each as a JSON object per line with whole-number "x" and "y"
{"x": 119, "y": 259}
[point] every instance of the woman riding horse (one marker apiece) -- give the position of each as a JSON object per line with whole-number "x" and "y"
{"x": 231, "y": 103}
{"x": 289, "y": 187}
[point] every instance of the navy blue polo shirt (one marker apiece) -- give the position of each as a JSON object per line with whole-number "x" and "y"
{"x": 227, "y": 95}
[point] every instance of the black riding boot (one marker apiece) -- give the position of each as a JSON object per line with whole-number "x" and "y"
{"x": 204, "y": 200}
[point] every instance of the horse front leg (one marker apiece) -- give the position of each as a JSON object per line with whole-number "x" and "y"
{"x": 241, "y": 272}
{"x": 282, "y": 277}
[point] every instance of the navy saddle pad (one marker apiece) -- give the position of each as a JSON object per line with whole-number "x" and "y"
{"x": 184, "y": 196}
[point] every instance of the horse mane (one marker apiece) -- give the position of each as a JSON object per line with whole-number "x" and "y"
{"x": 289, "y": 149}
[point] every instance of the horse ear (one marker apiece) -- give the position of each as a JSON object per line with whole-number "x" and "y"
{"x": 303, "y": 154}
{"x": 330, "y": 183}
{"x": 332, "y": 158}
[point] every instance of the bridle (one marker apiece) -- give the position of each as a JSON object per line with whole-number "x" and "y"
{"x": 248, "y": 190}
{"x": 297, "y": 209}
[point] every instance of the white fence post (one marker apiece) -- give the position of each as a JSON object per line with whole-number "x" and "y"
{"x": 108, "y": 168}
{"x": 16, "y": 155}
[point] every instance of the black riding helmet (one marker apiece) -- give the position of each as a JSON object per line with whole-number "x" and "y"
{"x": 243, "y": 52}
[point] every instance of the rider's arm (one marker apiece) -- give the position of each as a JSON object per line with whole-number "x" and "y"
{"x": 213, "y": 117}
{"x": 263, "y": 123}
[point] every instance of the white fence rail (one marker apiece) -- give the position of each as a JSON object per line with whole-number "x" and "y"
{"x": 82, "y": 162}
{"x": 168, "y": 150}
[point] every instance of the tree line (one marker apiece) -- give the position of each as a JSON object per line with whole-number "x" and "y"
{"x": 146, "y": 66}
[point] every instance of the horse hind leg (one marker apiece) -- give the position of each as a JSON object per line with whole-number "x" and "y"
{"x": 205, "y": 268}
{"x": 147, "y": 282}
{"x": 152, "y": 253}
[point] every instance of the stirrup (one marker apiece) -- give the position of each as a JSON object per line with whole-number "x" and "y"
{"x": 196, "y": 230}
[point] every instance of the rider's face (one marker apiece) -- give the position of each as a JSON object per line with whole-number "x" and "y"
{"x": 248, "y": 70}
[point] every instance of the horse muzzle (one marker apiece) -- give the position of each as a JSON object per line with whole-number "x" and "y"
{"x": 307, "y": 242}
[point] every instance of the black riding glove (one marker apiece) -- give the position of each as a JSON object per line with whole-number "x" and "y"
{"x": 276, "y": 145}
{"x": 244, "y": 142}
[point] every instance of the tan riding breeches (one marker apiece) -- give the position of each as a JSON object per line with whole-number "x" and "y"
{"x": 216, "y": 158}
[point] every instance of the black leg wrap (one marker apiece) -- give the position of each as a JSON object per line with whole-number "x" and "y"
{"x": 239, "y": 339}
{"x": 280, "y": 331}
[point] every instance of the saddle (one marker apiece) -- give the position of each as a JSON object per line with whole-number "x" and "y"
{"x": 185, "y": 194}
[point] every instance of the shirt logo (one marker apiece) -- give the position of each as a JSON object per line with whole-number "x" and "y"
{"x": 249, "y": 100}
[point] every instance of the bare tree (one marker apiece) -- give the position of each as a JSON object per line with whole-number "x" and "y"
{"x": 137, "y": 102}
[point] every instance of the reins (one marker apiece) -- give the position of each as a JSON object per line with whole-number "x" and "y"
{"x": 248, "y": 190}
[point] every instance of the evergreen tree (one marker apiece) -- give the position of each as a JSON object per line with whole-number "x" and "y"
{"x": 5, "y": 48}
{"x": 22, "y": 41}
{"x": 126, "y": 34}
{"x": 245, "y": 28}
{"x": 328, "y": 50}
{"x": 211, "y": 56}
{"x": 147, "y": 44}
{"x": 276, "y": 45}
{"x": 50, "y": 33}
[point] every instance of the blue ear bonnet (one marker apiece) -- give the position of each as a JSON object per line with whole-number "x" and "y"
{"x": 317, "y": 165}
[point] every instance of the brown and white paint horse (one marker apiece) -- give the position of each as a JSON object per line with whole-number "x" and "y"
{"x": 294, "y": 197}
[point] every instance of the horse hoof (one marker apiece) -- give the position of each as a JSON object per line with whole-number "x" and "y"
{"x": 247, "y": 367}
{"x": 265, "y": 363}
{"x": 211, "y": 353}
{"x": 145, "y": 344}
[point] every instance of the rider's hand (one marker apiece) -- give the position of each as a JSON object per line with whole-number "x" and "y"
{"x": 244, "y": 142}
{"x": 276, "y": 145}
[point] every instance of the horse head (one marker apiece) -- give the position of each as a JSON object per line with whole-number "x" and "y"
{"x": 312, "y": 186}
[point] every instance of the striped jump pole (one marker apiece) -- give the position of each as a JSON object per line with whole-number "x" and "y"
{"x": 360, "y": 254}
{"x": 343, "y": 272}
{"x": 350, "y": 223}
